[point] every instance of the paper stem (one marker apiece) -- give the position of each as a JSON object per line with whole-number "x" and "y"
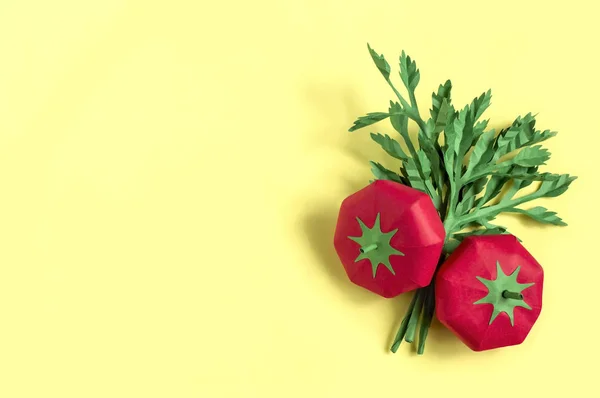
{"x": 512, "y": 295}
{"x": 368, "y": 248}
{"x": 414, "y": 317}
{"x": 404, "y": 325}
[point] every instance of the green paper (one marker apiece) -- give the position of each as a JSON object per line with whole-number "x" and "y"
{"x": 409, "y": 73}
{"x": 415, "y": 177}
{"x": 380, "y": 62}
{"x": 399, "y": 121}
{"x": 440, "y": 107}
{"x": 375, "y": 245}
{"x": 404, "y": 325}
{"x": 414, "y": 317}
{"x": 483, "y": 151}
{"x": 427, "y": 318}
{"x": 532, "y": 156}
{"x": 540, "y": 214}
{"x": 390, "y": 146}
{"x": 480, "y": 104}
{"x": 369, "y": 119}
{"x": 470, "y": 192}
{"x": 504, "y": 285}
{"x": 381, "y": 173}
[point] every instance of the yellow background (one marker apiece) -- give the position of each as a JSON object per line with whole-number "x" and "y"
{"x": 171, "y": 172}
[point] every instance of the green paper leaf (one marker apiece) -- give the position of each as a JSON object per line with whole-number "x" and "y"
{"x": 540, "y": 214}
{"x": 496, "y": 230}
{"x": 547, "y": 189}
{"x": 409, "y": 73}
{"x": 369, "y": 119}
{"x": 390, "y": 145}
{"x": 468, "y": 199}
{"x": 414, "y": 177}
{"x": 425, "y": 164}
{"x": 520, "y": 134}
{"x": 381, "y": 173}
{"x": 540, "y": 136}
{"x": 380, "y": 62}
{"x": 424, "y": 179}
{"x": 518, "y": 183}
{"x": 463, "y": 130}
{"x": 479, "y": 105}
{"x": 443, "y": 95}
{"x": 483, "y": 151}
{"x": 554, "y": 187}
{"x": 530, "y": 173}
{"x": 433, "y": 157}
{"x": 479, "y": 129}
{"x": 527, "y": 177}
{"x": 448, "y": 150}
{"x": 459, "y": 130}
{"x": 439, "y": 123}
{"x": 398, "y": 118}
{"x": 532, "y": 156}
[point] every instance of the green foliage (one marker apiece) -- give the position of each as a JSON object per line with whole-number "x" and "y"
{"x": 380, "y": 63}
{"x": 408, "y": 72}
{"x": 369, "y": 119}
{"x": 463, "y": 166}
{"x": 381, "y": 173}
{"x": 390, "y": 145}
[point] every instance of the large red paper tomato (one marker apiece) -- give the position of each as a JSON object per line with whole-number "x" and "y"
{"x": 389, "y": 238}
{"x": 489, "y": 292}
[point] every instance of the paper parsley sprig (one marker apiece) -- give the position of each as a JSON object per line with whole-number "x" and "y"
{"x": 461, "y": 183}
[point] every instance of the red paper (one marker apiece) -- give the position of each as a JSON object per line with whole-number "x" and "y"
{"x": 457, "y": 289}
{"x": 420, "y": 237}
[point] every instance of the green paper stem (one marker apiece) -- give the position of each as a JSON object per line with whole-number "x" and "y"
{"x": 404, "y": 325}
{"x": 414, "y": 317}
{"x": 428, "y": 312}
{"x": 512, "y": 295}
{"x": 368, "y": 248}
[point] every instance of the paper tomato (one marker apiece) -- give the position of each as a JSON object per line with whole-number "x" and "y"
{"x": 489, "y": 292}
{"x": 389, "y": 238}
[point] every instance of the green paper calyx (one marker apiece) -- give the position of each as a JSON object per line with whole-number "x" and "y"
{"x": 375, "y": 245}
{"x": 504, "y": 293}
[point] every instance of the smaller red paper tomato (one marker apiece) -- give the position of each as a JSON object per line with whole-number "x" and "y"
{"x": 489, "y": 292}
{"x": 389, "y": 238}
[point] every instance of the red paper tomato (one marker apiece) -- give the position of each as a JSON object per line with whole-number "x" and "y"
{"x": 489, "y": 292}
{"x": 389, "y": 238}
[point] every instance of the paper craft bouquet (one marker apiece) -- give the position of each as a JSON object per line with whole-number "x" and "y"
{"x": 429, "y": 228}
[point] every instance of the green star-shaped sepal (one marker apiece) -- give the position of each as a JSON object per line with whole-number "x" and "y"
{"x": 504, "y": 293}
{"x": 375, "y": 245}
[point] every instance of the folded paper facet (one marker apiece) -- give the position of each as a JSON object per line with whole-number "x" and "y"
{"x": 489, "y": 292}
{"x": 389, "y": 238}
